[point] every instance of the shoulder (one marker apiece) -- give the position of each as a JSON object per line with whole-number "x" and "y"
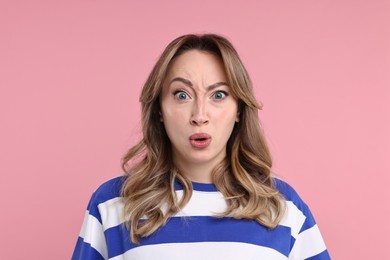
{"x": 296, "y": 207}
{"x": 298, "y": 215}
{"x": 308, "y": 241}
{"x": 108, "y": 190}
{"x": 288, "y": 192}
{"x": 105, "y": 197}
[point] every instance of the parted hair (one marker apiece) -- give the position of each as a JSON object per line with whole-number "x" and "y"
{"x": 243, "y": 177}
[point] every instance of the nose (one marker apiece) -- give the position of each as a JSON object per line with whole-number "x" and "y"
{"x": 199, "y": 114}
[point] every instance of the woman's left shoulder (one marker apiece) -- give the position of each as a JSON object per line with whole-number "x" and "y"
{"x": 288, "y": 192}
{"x": 308, "y": 241}
{"x": 284, "y": 188}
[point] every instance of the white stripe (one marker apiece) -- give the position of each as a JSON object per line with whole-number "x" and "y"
{"x": 92, "y": 233}
{"x": 111, "y": 212}
{"x": 293, "y": 218}
{"x": 84, "y": 226}
{"x": 201, "y": 250}
{"x": 202, "y": 204}
{"x": 309, "y": 243}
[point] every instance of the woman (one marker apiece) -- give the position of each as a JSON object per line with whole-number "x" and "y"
{"x": 200, "y": 184}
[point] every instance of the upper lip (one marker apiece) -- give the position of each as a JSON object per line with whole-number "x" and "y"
{"x": 199, "y": 136}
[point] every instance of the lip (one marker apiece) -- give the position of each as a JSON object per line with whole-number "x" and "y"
{"x": 200, "y": 140}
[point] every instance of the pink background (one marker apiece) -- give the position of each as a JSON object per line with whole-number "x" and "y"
{"x": 71, "y": 73}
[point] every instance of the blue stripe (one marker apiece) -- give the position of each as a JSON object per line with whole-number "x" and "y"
{"x": 291, "y": 195}
{"x": 204, "y": 229}
{"x": 197, "y": 186}
{"x": 93, "y": 209}
{"x": 109, "y": 190}
{"x": 288, "y": 192}
{"x": 84, "y": 251}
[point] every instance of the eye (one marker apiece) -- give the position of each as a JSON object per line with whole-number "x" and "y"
{"x": 219, "y": 95}
{"x": 181, "y": 95}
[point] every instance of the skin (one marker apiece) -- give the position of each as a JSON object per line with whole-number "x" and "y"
{"x": 196, "y": 99}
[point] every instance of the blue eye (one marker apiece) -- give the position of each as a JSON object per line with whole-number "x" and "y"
{"x": 219, "y": 95}
{"x": 181, "y": 95}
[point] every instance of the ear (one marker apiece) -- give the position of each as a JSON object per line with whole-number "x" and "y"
{"x": 238, "y": 117}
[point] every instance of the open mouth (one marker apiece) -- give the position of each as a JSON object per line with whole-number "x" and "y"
{"x": 200, "y": 141}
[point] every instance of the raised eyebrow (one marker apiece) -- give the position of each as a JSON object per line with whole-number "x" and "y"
{"x": 189, "y": 83}
{"x": 216, "y": 85}
{"x": 182, "y": 80}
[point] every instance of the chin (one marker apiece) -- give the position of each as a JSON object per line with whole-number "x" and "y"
{"x": 204, "y": 158}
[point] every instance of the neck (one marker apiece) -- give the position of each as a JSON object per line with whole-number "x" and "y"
{"x": 196, "y": 172}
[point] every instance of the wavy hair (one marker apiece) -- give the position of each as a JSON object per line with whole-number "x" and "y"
{"x": 243, "y": 177}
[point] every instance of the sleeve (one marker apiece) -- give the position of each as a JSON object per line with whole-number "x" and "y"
{"x": 91, "y": 243}
{"x": 309, "y": 243}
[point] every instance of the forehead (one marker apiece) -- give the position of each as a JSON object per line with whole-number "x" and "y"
{"x": 194, "y": 63}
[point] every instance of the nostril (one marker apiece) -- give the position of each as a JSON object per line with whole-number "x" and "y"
{"x": 198, "y": 121}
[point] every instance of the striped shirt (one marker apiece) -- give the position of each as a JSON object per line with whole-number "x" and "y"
{"x": 194, "y": 233}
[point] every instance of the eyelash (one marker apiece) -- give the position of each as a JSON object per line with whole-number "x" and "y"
{"x": 176, "y": 94}
{"x": 225, "y": 94}
{"x": 179, "y": 92}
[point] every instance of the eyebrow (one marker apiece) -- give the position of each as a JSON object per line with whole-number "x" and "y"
{"x": 189, "y": 83}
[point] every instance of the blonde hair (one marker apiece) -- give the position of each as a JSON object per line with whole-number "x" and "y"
{"x": 244, "y": 177}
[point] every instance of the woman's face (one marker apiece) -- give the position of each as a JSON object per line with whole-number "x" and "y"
{"x": 198, "y": 109}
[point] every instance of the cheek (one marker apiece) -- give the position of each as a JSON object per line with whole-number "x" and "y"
{"x": 226, "y": 117}
{"x": 173, "y": 121}
{"x": 173, "y": 116}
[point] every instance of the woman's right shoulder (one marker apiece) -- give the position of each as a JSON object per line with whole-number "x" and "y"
{"x": 109, "y": 190}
